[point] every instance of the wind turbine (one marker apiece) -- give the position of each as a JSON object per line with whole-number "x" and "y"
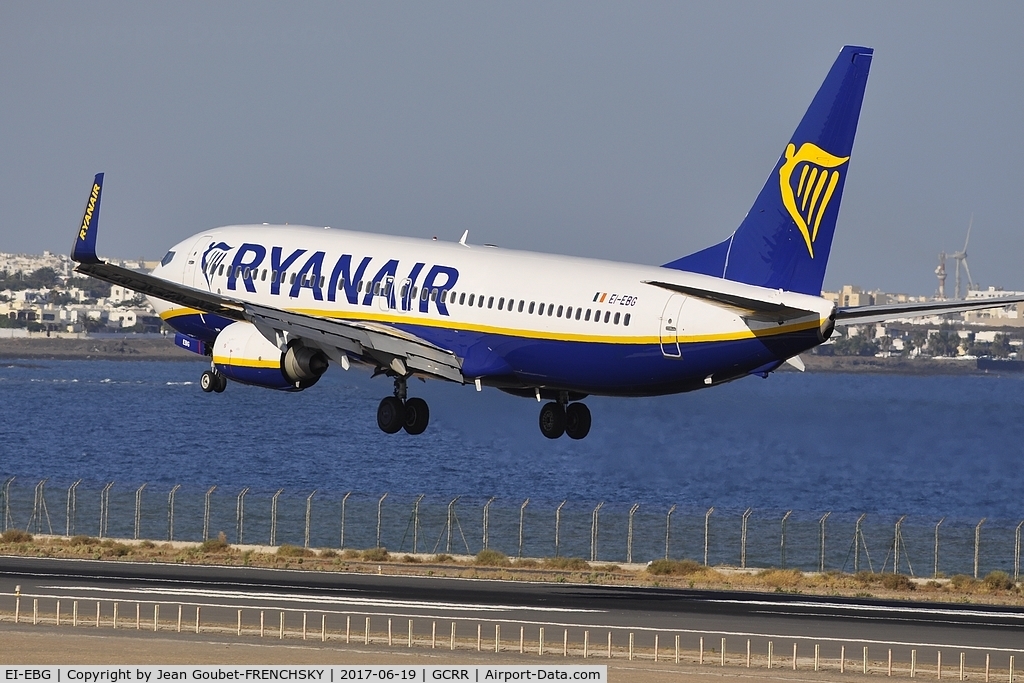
{"x": 961, "y": 257}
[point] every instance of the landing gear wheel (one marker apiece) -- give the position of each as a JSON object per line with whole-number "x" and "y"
{"x": 552, "y": 420}
{"x": 222, "y": 383}
{"x": 577, "y": 420}
{"x": 208, "y": 381}
{"x": 417, "y": 415}
{"x": 390, "y": 415}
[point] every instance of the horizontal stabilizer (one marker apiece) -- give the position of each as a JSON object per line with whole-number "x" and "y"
{"x": 745, "y": 306}
{"x": 863, "y": 315}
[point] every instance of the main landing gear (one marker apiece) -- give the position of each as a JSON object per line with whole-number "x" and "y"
{"x": 213, "y": 381}
{"x": 557, "y": 418}
{"x": 397, "y": 412}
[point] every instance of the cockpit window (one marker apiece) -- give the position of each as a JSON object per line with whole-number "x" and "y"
{"x": 168, "y": 257}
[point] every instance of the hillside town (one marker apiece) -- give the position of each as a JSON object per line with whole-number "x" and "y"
{"x": 42, "y": 296}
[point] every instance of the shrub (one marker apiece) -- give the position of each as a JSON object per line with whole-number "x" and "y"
{"x": 15, "y": 536}
{"x": 527, "y": 562}
{"x": 442, "y": 559}
{"x": 961, "y": 582}
{"x": 409, "y": 559}
{"x": 289, "y": 550}
{"x": 782, "y": 578}
{"x": 376, "y": 555}
{"x": 998, "y": 581}
{"x": 570, "y": 563}
{"x": 82, "y": 540}
{"x": 865, "y": 577}
{"x": 674, "y": 567}
{"x": 215, "y": 545}
{"x": 897, "y": 582}
{"x": 491, "y": 558}
{"x": 147, "y": 545}
{"x": 117, "y": 550}
{"x": 608, "y": 568}
{"x": 350, "y": 554}
{"x": 328, "y": 552}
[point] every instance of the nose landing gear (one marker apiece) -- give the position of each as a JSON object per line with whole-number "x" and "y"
{"x": 396, "y": 413}
{"x": 573, "y": 420}
{"x": 213, "y": 381}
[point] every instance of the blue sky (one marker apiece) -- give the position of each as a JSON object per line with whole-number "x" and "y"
{"x": 636, "y": 132}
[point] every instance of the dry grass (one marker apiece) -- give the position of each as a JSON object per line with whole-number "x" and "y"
{"x": 996, "y": 588}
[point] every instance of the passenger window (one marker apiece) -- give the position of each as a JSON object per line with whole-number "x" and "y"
{"x": 490, "y": 302}
{"x": 625, "y": 320}
{"x": 245, "y": 273}
{"x": 551, "y": 309}
{"x": 559, "y": 312}
{"x": 321, "y": 282}
{"x": 501, "y": 303}
{"x": 291, "y": 280}
{"x": 341, "y": 283}
{"x": 587, "y": 316}
{"x": 578, "y": 312}
{"x": 616, "y": 318}
{"x": 480, "y": 301}
{"x": 462, "y": 299}
{"x": 220, "y": 271}
{"x": 273, "y": 276}
{"x": 444, "y": 295}
{"x": 540, "y": 309}
{"x": 424, "y": 294}
{"x": 376, "y": 288}
{"x": 263, "y": 278}
{"x": 568, "y": 312}
{"x": 359, "y": 287}
{"x": 521, "y": 304}
{"x": 472, "y": 298}
{"x": 433, "y": 294}
{"x": 607, "y": 314}
{"x": 532, "y": 306}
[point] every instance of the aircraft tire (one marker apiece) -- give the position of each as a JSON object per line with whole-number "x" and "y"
{"x": 552, "y": 420}
{"x": 222, "y": 383}
{"x": 577, "y": 420}
{"x": 417, "y": 416}
{"x": 390, "y": 415}
{"x": 207, "y": 381}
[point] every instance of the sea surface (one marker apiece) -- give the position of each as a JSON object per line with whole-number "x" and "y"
{"x": 887, "y": 445}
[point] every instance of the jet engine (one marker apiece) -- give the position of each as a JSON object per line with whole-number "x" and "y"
{"x": 241, "y": 353}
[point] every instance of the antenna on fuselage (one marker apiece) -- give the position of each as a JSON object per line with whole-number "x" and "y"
{"x": 462, "y": 240}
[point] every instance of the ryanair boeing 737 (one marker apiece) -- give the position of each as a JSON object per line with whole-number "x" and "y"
{"x": 274, "y": 306}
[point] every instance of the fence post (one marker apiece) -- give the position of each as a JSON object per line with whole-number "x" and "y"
{"x": 522, "y": 514}
{"x": 487, "y": 524}
{"x": 309, "y": 511}
{"x": 935, "y": 565}
{"x": 105, "y": 508}
{"x": 821, "y": 523}
{"x": 629, "y": 533}
{"x": 977, "y": 545}
{"x": 138, "y": 509}
{"x": 858, "y": 539}
{"x": 416, "y": 523}
{"x": 782, "y": 543}
{"x": 7, "y": 503}
{"x": 39, "y": 510}
{"x": 170, "y": 511}
{"x": 743, "y": 537}
{"x": 72, "y": 509}
{"x": 558, "y": 524}
{"x": 668, "y": 528}
{"x": 707, "y": 532}
{"x": 380, "y": 510}
{"x": 449, "y": 525}
{"x": 206, "y": 512}
{"x": 344, "y": 500}
{"x": 593, "y": 531}
{"x": 1016, "y": 554}
{"x": 240, "y": 515}
{"x": 897, "y": 538}
{"x": 273, "y": 516}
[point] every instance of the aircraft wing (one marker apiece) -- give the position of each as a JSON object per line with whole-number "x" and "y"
{"x": 862, "y": 315}
{"x": 387, "y": 346}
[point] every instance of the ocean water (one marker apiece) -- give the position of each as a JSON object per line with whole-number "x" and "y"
{"x": 887, "y": 445}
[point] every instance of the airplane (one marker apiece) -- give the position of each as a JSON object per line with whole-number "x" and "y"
{"x": 274, "y": 306}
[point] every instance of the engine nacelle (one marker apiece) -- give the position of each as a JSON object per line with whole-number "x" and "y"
{"x": 241, "y": 353}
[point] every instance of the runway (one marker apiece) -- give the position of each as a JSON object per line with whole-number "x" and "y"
{"x": 568, "y": 610}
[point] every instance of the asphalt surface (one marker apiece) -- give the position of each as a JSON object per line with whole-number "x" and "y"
{"x": 434, "y": 604}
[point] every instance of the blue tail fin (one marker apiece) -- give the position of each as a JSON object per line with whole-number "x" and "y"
{"x": 785, "y": 239}
{"x": 84, "y": 250}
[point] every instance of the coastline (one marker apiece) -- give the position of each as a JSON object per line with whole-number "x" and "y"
{"x": 132, "y": 348}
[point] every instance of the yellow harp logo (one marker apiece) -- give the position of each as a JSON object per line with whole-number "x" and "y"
{"x": 806, "y": 194}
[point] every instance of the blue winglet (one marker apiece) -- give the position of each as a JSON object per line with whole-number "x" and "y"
{"x": 84, "y": 250}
